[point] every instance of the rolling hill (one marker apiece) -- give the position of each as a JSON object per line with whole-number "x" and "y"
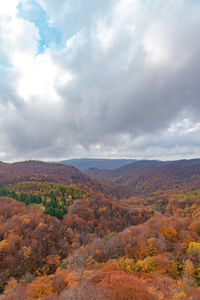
{"x": 100, "y": 163}
{"x": 52, "y": 172}
{"x": 146, "y": 177}
{"x": 62, "y": 236}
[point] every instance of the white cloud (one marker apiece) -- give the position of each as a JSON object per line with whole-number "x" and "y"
{"x": 39, "y": 77}
{"x": 124, "y": 83}
{"x": 8, "y": 8}
{"x": 19, "y": 36}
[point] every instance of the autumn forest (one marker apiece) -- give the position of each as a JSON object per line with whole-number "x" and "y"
{"x": 130, "y": 233}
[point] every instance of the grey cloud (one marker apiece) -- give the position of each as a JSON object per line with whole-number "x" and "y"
{"x": 72, "y": 15}
{"x": 119, "y": 100}
{"x": 140, "y": 98}
{"x": 8, "y": 94}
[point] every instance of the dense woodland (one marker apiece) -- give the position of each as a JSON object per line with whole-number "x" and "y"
{"x": 52, "y": 198}
{"x": 58, "y": 173}
{"x": 147, "y": 177}
{"x": 62, "y": 239}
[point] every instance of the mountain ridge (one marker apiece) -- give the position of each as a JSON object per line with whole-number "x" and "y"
{"x": 101, "y": 163}
{"x": 144, "y": 177}
{"x": 56, "y": 172}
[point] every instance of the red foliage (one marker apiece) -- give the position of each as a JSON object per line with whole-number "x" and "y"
{"x": 40, "y": 171}
{"x": 102, "y": 215}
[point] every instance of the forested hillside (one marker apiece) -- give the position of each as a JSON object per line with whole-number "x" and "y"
{"x": 52, "y": 198}
{"x": 59, "y": 173}
{"x": 146, "y": 177}
{"x": 62, "y": 239}
{"x": 36, "y": 170}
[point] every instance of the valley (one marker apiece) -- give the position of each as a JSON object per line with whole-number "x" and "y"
{"x": 128, "y": 233}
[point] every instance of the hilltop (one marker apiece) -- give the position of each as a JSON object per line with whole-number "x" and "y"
{"x": 100, "y": 163}
{"x": 59, "y": 173}
{"x": 146, "y": 177}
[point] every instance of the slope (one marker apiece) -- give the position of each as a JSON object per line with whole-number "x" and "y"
{"x": 59, "y": 173}
{"x": 85, "y": 163}
{"x": 146, "y": 177}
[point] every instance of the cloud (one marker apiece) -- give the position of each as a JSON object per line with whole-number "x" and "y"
{"x": 124, "y": 83}
{"x": 8, "y": 8}
{"x": 71, "y": 16}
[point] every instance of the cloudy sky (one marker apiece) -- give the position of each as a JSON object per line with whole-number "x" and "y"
{"x": 104, "y": 78}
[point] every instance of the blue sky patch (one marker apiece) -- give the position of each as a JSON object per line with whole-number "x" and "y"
{"x": 5, "y": 66}
{"x": 49, "y": 34}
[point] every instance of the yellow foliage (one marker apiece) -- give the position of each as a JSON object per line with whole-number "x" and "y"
{"x": 181, "y": 295}
{"x": 193, "y": 245}
{"x": 148, "y": 265}
{"x": 102, "y": 209}
{"x": 197, "y": 273}
{"x": 151, "y": 242}
{"x": 169, "y": 232}
{"x": 27, "y": 252}
{"x": 129, "y": 269}
{"x": 88, "y": 271}
{"x": 40, "y": 288}
{"x": 3, "y": 245}
{"x": 139, "y": 265}
{"x": 25, "y": 220}
{"x": 39, "y": 206}
{"x": 127, "y": 263}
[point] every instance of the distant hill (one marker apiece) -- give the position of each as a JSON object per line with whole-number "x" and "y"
{"x": 138, "y": 178}
{"x": 86, "y": 163}
{"x": 54, "y": 172}
{"x": 131, "y": 169}
{"x": 146, "y": 177}
{"x": 40, "y": 171}
{"x": 99, "y": 173}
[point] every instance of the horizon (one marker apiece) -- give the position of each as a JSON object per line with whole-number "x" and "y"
{"x": 96, "y": 158}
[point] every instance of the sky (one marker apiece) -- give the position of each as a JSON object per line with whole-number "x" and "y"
{"x": 107, "y": 79}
